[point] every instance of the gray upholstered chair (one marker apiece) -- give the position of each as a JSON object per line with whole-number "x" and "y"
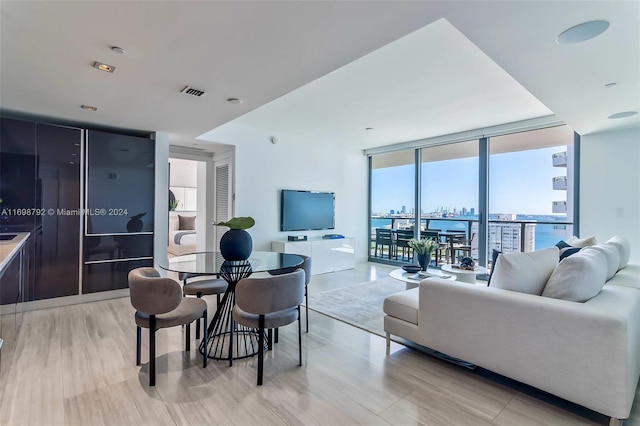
{"x": 198, "y": 285}
{"x": 267, "y": 303}
{"x": 159, "y": 304}
{"x": 306, "y": 267}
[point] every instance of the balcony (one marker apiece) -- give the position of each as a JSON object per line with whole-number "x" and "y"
{"x": 560, "y": 159}
{"x": 560, "y": 183}
{"x": 559, "y": 207}
{"x": 507, "y": 235}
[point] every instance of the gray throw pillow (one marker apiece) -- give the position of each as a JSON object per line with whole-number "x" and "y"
{"x": 186, "y": 222}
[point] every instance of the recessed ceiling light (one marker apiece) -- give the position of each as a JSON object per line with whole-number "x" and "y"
{"x": 582, "y": 32}
{"x": 369, "y": 128}
{"x": 234, "y": 101}
{"x": 104, "y": 67}
{"x": 89, "y": 108}
{"x": 610, "y": 84}
{"x": 622, "y": 115}
{"x": 118, "y": 49}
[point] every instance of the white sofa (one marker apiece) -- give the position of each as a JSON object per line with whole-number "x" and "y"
{"x": 587, "y": 353}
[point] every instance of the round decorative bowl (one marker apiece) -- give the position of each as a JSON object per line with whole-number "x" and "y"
{"x": 412, "y": 268}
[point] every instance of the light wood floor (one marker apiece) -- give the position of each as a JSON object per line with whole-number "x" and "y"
{"x": 75, "y": 365}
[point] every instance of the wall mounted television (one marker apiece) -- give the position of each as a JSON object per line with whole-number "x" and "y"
{"x": 306, "y": 210}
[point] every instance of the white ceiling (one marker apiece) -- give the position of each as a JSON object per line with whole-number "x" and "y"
{"x": 411, "y": 70}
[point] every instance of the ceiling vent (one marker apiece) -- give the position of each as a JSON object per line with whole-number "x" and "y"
{"x": 188, "y": 90}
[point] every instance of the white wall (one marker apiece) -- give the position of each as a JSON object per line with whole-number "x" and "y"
{"x": 161, "y": 218}
{"x": 610, "y": 186}
{"x": 183, "y": 173}
{"x": 262, "y": 169}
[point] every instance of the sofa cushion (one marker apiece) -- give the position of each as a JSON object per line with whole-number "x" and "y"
{"x": 578, "y": 278}
{"x": 612, "y": 255}
{"x": 526, "y": 272}
{"x": 623, "y": 248}
{"x": 403, "y": 305}
{"x": 582, "y": 242}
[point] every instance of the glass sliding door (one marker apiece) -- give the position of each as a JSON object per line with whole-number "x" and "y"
{"x": 530, "y": 189}
{"x": 449, "y": 197}
{"x": 393, "y": 186}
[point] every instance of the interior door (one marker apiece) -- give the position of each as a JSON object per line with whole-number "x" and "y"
{"x": 223, "y": 200}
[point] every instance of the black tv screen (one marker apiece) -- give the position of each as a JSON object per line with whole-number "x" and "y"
{"x": 307, "y": 210}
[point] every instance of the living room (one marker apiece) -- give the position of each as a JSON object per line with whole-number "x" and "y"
{"x": 259, "y": 56}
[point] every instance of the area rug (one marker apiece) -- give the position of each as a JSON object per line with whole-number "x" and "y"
{"x": 359, "y": 305}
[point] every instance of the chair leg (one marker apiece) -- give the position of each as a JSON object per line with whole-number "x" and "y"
{"x": 138, "y": 345}
{"x": 199, "y": 296}
{"x": 275, "y": 335}
{"x": 152, "y": 350}
{"x": 306, "y": 306}
{"x": 205, "y": 335}
{"x": 233, "y": 329}
{"x": 299, "y": 336}
{"x": 260, "y": 348}
{"x": 187, "y": 337}
{"x": 270, "y": 339}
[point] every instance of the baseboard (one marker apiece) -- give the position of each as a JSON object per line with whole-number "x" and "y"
{"x": 71, "y": 300}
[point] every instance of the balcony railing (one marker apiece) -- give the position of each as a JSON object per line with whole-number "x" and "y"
{"x": 560, "y": 159}
{"x": 559, "y": 207}
{"x": 503, "y": 235}
{"x": 560, "y": 182}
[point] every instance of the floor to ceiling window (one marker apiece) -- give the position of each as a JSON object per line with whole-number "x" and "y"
{"x": 528, "y": 203}
{"x": 449, "y": 189}
{"x": 392, "y": 200}
{"x": 530, "y": 189}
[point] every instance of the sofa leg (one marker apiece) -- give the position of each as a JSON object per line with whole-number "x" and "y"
{"x": 388, "y": 343}
{"x": 615, "y": 422}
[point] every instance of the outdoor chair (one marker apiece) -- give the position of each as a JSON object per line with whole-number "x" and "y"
{"x": 384, "y": 237}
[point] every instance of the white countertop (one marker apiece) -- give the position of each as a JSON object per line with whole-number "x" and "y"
{"x": 8, "y": 249}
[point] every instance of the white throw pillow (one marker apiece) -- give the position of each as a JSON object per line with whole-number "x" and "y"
{"x": 526, "y": 272}
{"x": 582, "y": 242}
{"x": 578, "y": 278}
{"x": 623, "y": 248}
{"x": 612, "y": 254}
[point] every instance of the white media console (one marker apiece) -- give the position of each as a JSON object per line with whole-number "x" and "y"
{"x": 326, "y": 255}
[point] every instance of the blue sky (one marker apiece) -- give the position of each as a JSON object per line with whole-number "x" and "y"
{"x": 519, "y": 182}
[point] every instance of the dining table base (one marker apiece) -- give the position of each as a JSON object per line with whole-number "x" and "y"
{"x": 227, "y": 339}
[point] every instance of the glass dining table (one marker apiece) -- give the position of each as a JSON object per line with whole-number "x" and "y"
{"x": 228, "y": 340}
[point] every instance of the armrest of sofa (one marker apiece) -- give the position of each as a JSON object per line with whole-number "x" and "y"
{"x": 584, "y": 352}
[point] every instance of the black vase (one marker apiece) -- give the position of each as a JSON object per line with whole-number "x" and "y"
{"x": 236, "y": 244}
{"x": 424, "y": 260}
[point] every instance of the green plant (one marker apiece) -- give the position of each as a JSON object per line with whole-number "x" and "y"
{"x": 423, "y": 246}
{"x": 173, "y": 204}
{"x": 238, "y": 223}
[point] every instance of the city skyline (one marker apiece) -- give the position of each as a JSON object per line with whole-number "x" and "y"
{"x": 520, "y": 182}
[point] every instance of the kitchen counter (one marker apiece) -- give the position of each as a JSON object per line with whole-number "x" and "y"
{"x": 9, "y": 248}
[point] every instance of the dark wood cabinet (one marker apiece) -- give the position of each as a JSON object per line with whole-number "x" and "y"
{"x": 86, "y": 197}
{"x": 17, "y": 174}
{"x": 120, "y": 204}
{"x": 58, "y": 195}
